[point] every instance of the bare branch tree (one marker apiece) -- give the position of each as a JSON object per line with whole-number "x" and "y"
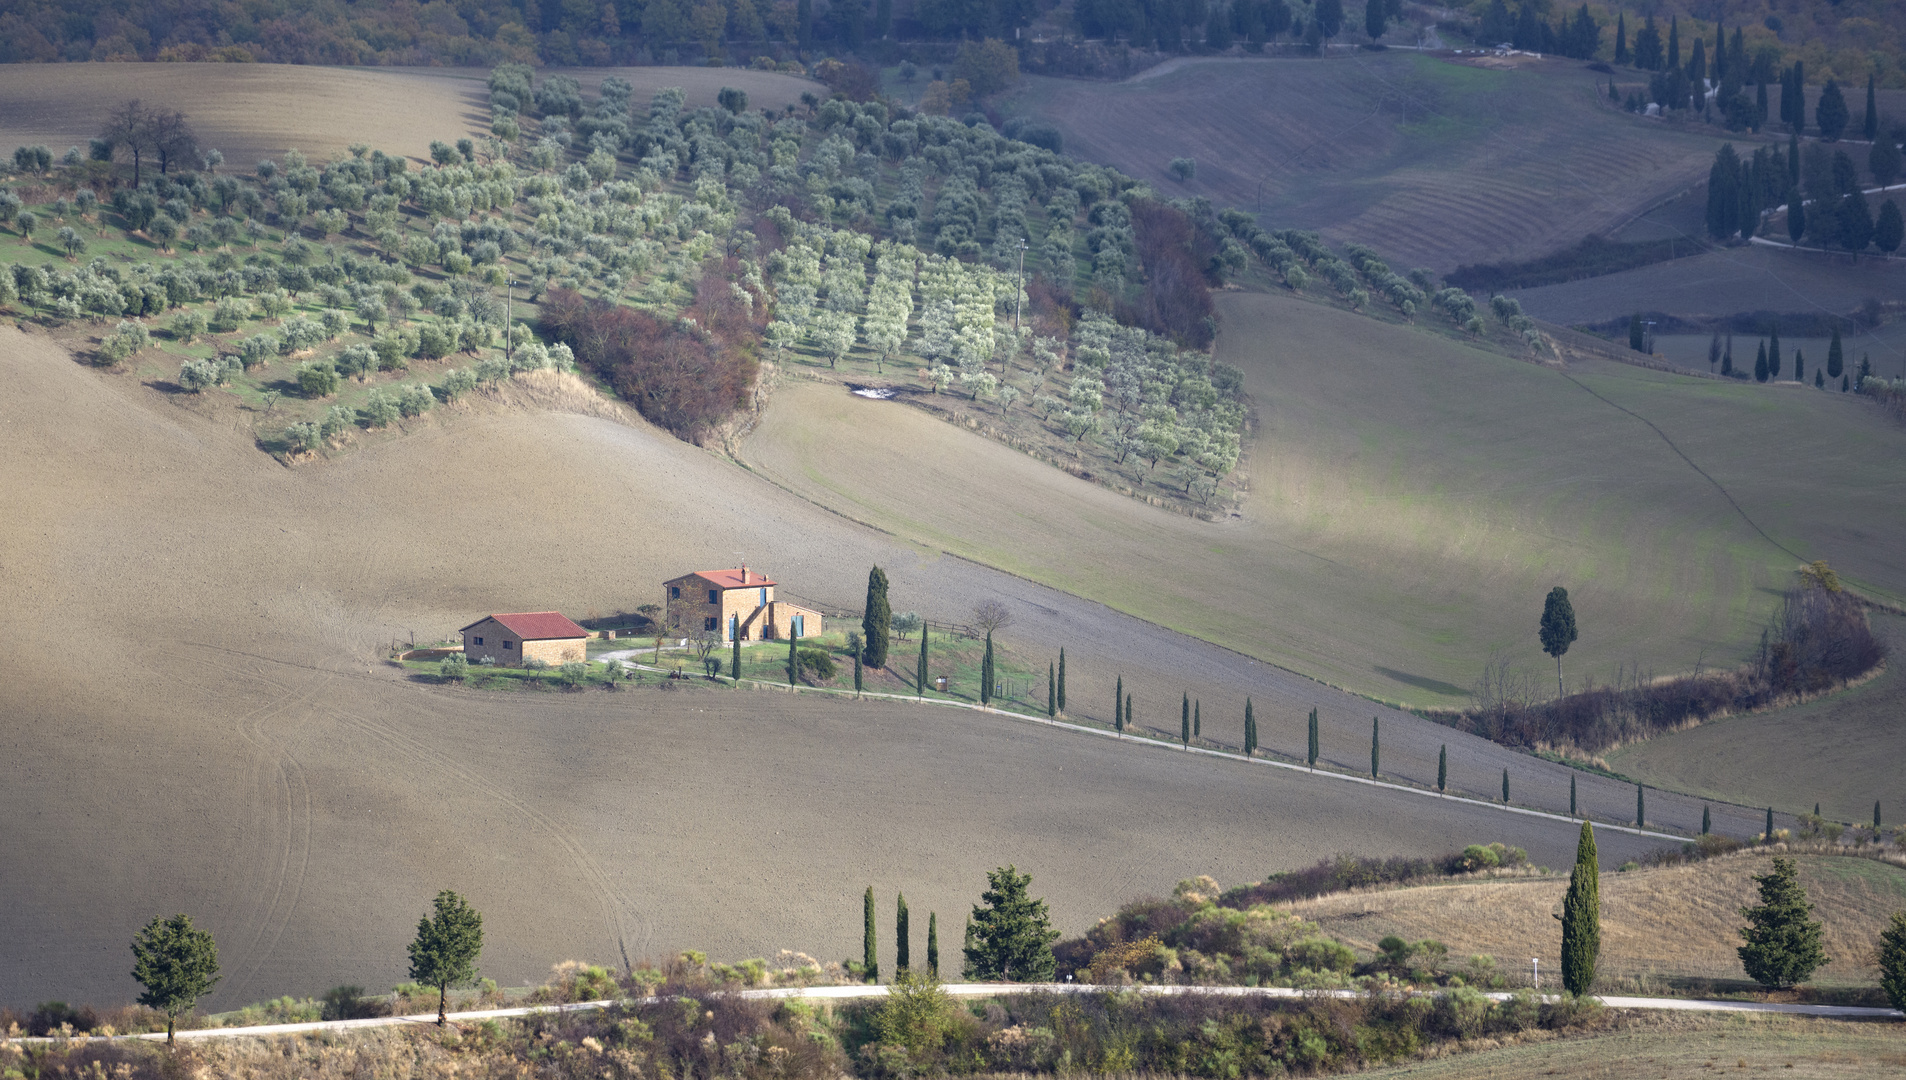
{"x": 991, "y": 616}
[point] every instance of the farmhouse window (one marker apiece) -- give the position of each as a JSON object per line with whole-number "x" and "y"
{"x": 479, "y": 641}
{"x": 509, "y": 644}
{"x": 714, "y": 596}
{"x": 708, "y": 623}
{"x": 674, "y": 592}
{"x": 764, "y": 597}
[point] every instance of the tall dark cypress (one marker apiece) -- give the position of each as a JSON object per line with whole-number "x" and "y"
{"x": 1052, "y": 692}
{"x": 1773, "y": 353}
{"x": 1641, "y": 807}
{"x": 1760, "y": 105}
{"x": 1836, "y": 356}
{"x": 736, "y": 671}
{"x": 1375, "y": 761}
{"x": 902, "y": 948}
{"x": 1118, "y": 705}
{"x": 1760, "y": 363}
{"x": 1128, "y": 709}
{"x": 920, "y": 673}
{"x": 1674, "y": 42}
{"x": 1581, "y": 917}
{"x": 1621, "y": 38}
{"x": 869, "y": 939}
{"x": 1250, "y": 729}
{"x": 986, "y": 672}
{"x": 1870, "y": 123}
{"x": 1197, "y": 719}
{"x": 1442, "y": 768}
{"x": 1184, "y": 722}
{"x": 1768, "y": 834}
{"x": 794, "y": 658}
{"x": 1571, "y": 795}
{"x": 1062, "y": 680}
{"x": 1505, "y": 785}
{"x": 933, "y": 943}
{"x": 1707, "y": 820}
{"x": 1313, "y": 738}
{"x": 876, "y": 624}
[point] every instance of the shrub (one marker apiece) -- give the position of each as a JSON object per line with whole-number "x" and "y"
{"x": 197, "y": 376}
{"x": 457, "y": 383}
{"x": 415, "y": 400}
{"x": 228, "y": 314}
{"x": 259, "y": 349}
{"x": 379, "y": 409}
{"x": 356, "y": 360}
{"x": 316, "y": 379}
{"x": 187, "y": 326}
{"x": 575, "y": 673}
{"x": 817, "y": 663}
{"x": 349, "y": 1003}
{"x": 304, "y": 438}
{"x": 454, "y": 667}
{"x": 126, "y": 340}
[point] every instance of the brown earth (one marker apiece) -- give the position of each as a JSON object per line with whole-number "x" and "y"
{"x": 197, "y": 717}
{"x": 250, "y": 111}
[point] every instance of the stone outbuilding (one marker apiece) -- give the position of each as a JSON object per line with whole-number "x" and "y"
{"x": 738, "y": 604}
{"x": 510, "y": 639}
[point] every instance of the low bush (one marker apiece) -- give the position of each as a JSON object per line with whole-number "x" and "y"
{"x": 817, "y": 664}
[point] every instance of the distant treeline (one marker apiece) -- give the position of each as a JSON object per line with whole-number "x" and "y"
{"x": 1593, "y": 257}
{"x": 1792, "y": 324}
{"x": 1818, "y": 639}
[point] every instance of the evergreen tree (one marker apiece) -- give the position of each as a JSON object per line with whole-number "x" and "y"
{"x": 1062, "y": 681}
{"x": 1720, "y": 49}
{"x": 1250, "y": 729}
{"x": 1723, "y": 210}
{"x": 1184, "y": 722}
{"x": 1768, "y": 834}
{"x": 1313, "y": 738}
{"x": 1819, "y": 380}
{"x": 1375, "y": 761}
{"x": 1052, "y": 692}
{"x": 1870, "y": 123}
{"x": 1557, "y": 630}
{"x": 1328, "y": 15}
{"x": 966, "y": 966}
{"x": 920, "y": 672}
{"x": 1582, "y": 917}
{"x": 1773, "y": 352}
{"x": 1883, "y": 161}
{"x": 1648, "y": 46}
{"x": 1641, "y": 807}
{"x": 1128, "y": 708}
{"x": 1197, "y": 719}
{"x": 986, "y": 672}
{"x": 902, "y": 947}
{"x": 1714, "y": 342}
{"x": 1799, "y": 366}
{"x": 177, "y": 964}
{"x": 1892, "y": 960}
{"x": 1836, "y": 356}
{"x": 1760, "y": 363}
{"x": 1571, "y": 795}
{"x": 1012, "y": 933}
{"x": 736, "y": 663}
{"x": 1505, "y": 785}
{"x": 1674, "y": 42}
{"x": 876, "y": 624}
{"x": 1118, "y": 705}
{"x": 1800, "y": 103}
{"x": 1853, "y": 223}
{"x": 1442, "y": 768}
{"x": 1621, "y": 39}
{"x": 1697, "y": 64}
{"x": 445, "y": 952}
{"x": 933, "y": 943}
{"x": 1796, "y": 215}
{"x": 1727, "y": 355}
{"x": 1637, "y": 337}
{"x": 1782, "y": 944}
{"x": 869, "y": 939}
{"x": 794, "y": 658}
{"x": 1830, "y": 112}
{"x": 1789, "y": 95}
{"x": 1707, "y": 820}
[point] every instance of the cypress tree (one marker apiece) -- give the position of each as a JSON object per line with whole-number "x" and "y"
{"x": 1799, "y": 366}
{"x": 1760, "y": 363}
{"x": 794, "y": 659}
{"x": 1118, "y": 705}
{"x": 986, "y": 672}
{"x": 1505, "y": 785}
{"x": 1883, "y": 161}
{"x": 1635, "y": 333}
{"x": 736, "y": 672}
{"x": 1250, "y": 729}
{"x": 1781, "y": 944}
{"x": 1836, "y": 356}
{"x": 860, "y": 682}
{"x": 1062, "y": 680}
{"x": 1768, "y": 834}
{"x": 1796, "y": 215}
{"x": 1697, "y": 63}
{"x": 1723, "y": 211}
{"x": 1184, "y": 722}
{"x": 876, "y": 624}
{"x": 920, "y": 673}
{"x": 1582, "y": 917}
{"x": 1621, "y": 38}
{"x": 1870, "y": 123}
{"x": 869, "y": 940}
{"x": 1374, "y": 760}
{"x": 1442, "y": 768}
{"x": 1052, "y": 692}
{"x": 1707, "y": 820}
{"x": 1571, "y": 795}
{"x": 1830, "y": 112}
{"x": 1641, "y": 807}
{"x": 1313, "y": 738}
{"x": 1128, "y": 709}
{"x": 1719, "y": 62}
{"x": 1727, "y": 355}
{"x": 1816, "y": 809}
{"x": 902, "y": 948}
{"x": 1197, "y": 719}
{"x": 1674, "y": 42}
{"x": 1819, "y": 380}
{"x": 933, "y": 943}
{"x": 1773, "y": 353}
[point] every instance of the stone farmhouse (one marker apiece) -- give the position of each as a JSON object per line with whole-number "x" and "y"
{"x": 738, "y": 604}
{"x": 527, "y": 635}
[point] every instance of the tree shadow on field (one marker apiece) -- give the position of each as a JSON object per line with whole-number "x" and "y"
{"x": 1421, "y": 682}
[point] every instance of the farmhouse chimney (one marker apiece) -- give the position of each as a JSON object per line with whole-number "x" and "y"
{"x": 744, "y": 573}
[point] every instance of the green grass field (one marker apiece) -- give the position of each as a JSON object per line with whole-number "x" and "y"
{"x": 1431, "y": 162}
{"x": 1411, "y": 501}
{"x": 1824, "y": 751}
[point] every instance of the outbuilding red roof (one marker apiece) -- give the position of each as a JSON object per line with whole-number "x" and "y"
{"x": 731, "y": 579}
{"x": 537, "y": 625}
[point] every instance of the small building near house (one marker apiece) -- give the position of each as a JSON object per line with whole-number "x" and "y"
{"x": 510, "y": 639}
{"x": 738, "y": 604}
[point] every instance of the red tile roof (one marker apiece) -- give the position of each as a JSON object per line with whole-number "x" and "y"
{"x": 537, "y": 625}
{"x": 731, "y": 579}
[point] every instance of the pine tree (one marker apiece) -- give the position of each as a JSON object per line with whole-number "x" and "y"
{"x": 1062, "y": 682}
{"x": 1557, "y": 630}
{"x": 1760, "y": 363}
{"x": 1836, "y": 355}
{"x": 1374, "y": 746}
{"x": 1184, "y": 722}
{"x": 902, "y": 948}
{"x": 1581, "y": 917}
{"x": 1707, "y": 820}
{"x": 1782, "y": 945}
{"x": 869, "y": 939}
{"x": 1442, "y": 768}
{"x": 178, "y": 964}
{"x": 1773, "y": 353}
{"x": 933, "y": 943}
{"x": 1011, "y": 937}
{"x": 1870, "y": 123}
{"x": 920, "y": 673}
{"x": 986, "y": 672}
{"x": 1313, "y": 738}
{"x": 1505, "y": 785}
{"x": 1830, "y": 112}
{"x": 1052, "y": 692}
{"x": 876, "y": 623}
{"x": 1641, "y": 807}
{"x": 1118, "y": 705}
{"x": 1250, "y": 729}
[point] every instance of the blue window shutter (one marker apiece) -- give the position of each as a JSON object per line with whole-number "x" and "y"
{"x": 764, "y": 595}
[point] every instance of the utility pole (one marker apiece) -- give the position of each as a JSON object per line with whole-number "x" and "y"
{"x": 509, "y": 287}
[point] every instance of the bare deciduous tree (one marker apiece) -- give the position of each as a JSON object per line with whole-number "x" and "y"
{"x": 991, "y": 616}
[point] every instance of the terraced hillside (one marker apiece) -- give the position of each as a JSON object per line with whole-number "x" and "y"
{"x": 1434, "y": 163}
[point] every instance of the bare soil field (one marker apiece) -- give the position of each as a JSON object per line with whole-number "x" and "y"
{"x": 1674, "y": 921}
{"x": 1432, "y": 163}
{"x": 198, "y": 718}
{"x": 1820, "y": 752}
{"x": 1411, "y": 500}
{"x": 251, "y": 110}
{"x": 1682, "y": 1047}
